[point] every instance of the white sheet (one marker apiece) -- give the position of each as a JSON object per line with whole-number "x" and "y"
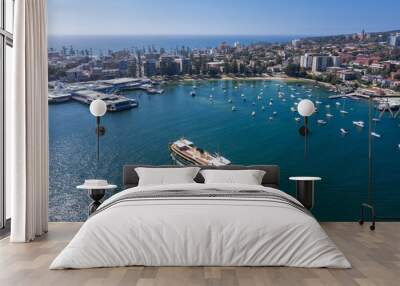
{"x": 212, "y": 231}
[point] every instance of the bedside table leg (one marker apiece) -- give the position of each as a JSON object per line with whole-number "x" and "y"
{"x": 305, "y": 193}
{"x": 96, "y": 196}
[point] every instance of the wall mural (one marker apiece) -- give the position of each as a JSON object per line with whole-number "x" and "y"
{"x": 227, "y": 100}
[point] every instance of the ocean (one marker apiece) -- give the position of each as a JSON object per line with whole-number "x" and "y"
{"x": 142, "y": 135}
{"x": 102, "y": 44}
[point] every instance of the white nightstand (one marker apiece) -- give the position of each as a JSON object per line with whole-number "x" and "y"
{"x": 305, "y": 190}
{"x": 96, "y": 190}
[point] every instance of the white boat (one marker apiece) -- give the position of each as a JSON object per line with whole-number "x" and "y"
{"x": 253, "y": 103}
{"x": 263, "y": 108}
{"x": 338, "y": 103}
{"x": 322, "y": 122}
{"x": 186, "y": 153}
{"x": 343, "y": 131}
{"x": 292, "y": 96}
{"x": 233, "y": 108}
{"x": 283, "y": 100}
{"x": 270, "y": 118}
{"x": 375, "y": 134}
{"x": 211, "y": 96}
{"x": 329, "y": 115}
{"x": 274, "y": 113}
{"x": 193, "y": 93}
{"x": 293, "y": 109}
{"x": 297, "y": 119}
{"x": 270, "y": 103}
{"x": 376, "y": 119}
{"x": 359, "y": 123}
{"x": 229, "y": 100}
{"x": 327, "y": 106}
{"x": 253, "y": 113}
{"x": 344, "y": 111}
{"x": 318, "y": 102}
{"x": 259, "y": 97}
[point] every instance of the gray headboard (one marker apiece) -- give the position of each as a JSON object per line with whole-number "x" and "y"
{"x": 271, "y": 177}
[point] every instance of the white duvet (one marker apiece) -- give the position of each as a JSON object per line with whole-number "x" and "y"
{"x": 193, "y": 231}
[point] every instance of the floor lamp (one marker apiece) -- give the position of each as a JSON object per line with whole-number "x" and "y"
{"x": 369, "y": 205}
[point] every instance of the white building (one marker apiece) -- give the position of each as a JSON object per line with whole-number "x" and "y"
{"x": 306, "y": 61}
{"x": 295, "y": 42}
{"x": 394, "y": 40}
{"x": 319, "y": 63}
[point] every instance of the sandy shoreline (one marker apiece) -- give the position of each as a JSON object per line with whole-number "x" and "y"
{"x": 270, "y": 78}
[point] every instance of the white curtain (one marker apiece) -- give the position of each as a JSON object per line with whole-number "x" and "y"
{"x": 27, "y": 124}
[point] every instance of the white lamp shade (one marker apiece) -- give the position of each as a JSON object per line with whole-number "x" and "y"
{"x": 306, "y": 108}
{"x": 98, "y": 108}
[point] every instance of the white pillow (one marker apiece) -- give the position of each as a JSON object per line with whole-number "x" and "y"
{"x": 248, "y": 177}
{"x": 165, "y": 176}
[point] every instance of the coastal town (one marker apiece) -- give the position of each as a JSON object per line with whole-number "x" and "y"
{"x": 359, "y": 64}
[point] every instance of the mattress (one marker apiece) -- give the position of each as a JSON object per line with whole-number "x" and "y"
{"x": 201, "y": 225}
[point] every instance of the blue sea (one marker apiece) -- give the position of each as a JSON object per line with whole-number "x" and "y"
{"x": 102, "y": 44}
{"x": 142, "y": 135}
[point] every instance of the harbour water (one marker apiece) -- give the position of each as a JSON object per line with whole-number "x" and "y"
{"x": 142, "y": 135}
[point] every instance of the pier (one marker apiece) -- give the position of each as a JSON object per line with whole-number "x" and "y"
{"x": 107, "y": 90}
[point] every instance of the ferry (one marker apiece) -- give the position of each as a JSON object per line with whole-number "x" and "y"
{"x": 154, "y": 91}
{"x": 184, "y": 152}
{"x": 59, "y": 97}
{"x": 122, "y": 104}
{"x": 359, "y": 123}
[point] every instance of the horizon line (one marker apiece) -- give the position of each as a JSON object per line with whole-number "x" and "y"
{"x": 186, "y": 35}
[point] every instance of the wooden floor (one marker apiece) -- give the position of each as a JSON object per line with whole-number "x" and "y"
{"x": 375, "y": 257}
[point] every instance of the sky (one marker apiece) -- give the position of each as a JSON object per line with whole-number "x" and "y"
{"x": 221, "y": 17}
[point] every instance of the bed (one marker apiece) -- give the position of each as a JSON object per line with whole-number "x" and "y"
{"x": 198, "y": 224}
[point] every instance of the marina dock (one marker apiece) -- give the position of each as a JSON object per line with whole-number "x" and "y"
{"x": 107, "y": 90}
